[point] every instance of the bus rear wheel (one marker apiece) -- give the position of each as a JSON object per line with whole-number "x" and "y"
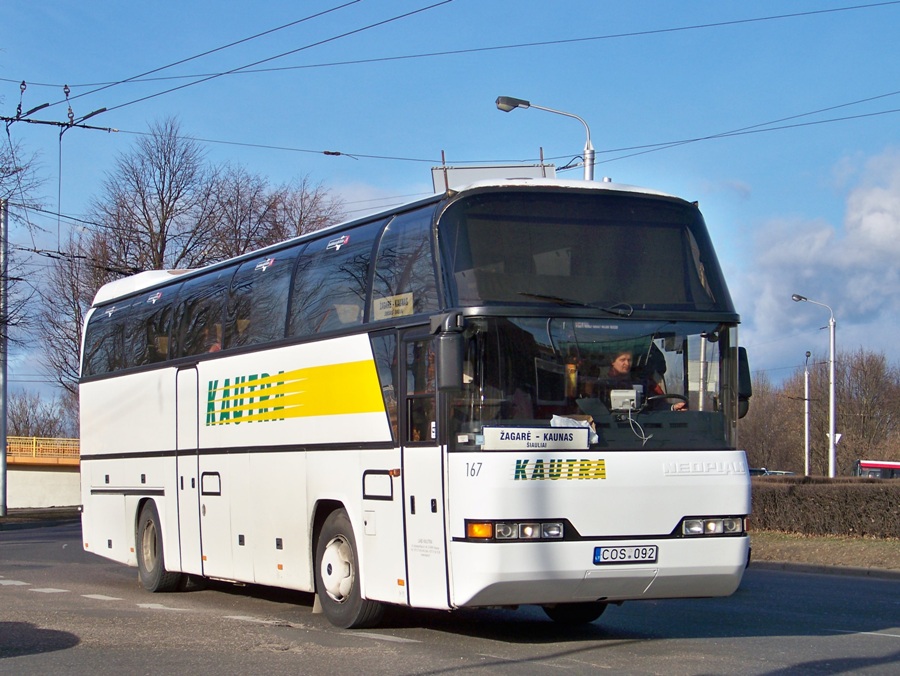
{"x": 575, "y": 613}
{"x": 151, "y": 564}
{"x": 337, "y": 576}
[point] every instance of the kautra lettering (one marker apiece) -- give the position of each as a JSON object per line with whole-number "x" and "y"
{"x": 247, "y": 398}
{"x": 559, "y": 469}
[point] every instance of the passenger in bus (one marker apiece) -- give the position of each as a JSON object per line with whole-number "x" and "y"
{"x": 622, "y": 376}
{"x": 211, "y": 341}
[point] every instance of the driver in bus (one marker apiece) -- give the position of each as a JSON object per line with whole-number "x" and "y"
{"x": 622, "y": 377}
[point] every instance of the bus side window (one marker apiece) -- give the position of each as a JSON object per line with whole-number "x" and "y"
{"x": 404, "y": 268}
{"x": 384, "y": 348}
{"x": 200, "y": 315}
{"x": 330, "y": 285}
{"x": 104, "y": 343}
{"x": 147, "y": 328}
{"x": 257, "y": 307}
{"x": 421, "y": 421}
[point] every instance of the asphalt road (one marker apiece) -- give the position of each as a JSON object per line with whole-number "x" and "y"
{"x": 65, "y": 611}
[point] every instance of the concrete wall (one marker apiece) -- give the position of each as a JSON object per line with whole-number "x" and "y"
{"x": 36, "y": 486}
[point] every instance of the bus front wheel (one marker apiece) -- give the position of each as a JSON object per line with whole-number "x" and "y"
{"x": 337, "y": 576}
{"x": 575, "y": 613}
{"x": 151, "y": 569}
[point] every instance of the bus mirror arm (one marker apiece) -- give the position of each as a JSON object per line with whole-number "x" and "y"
{"x": 449, "y": 322}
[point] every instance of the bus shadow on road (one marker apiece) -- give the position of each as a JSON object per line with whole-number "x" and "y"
{"x": 766, "y": 605}
{"x": 18, "y": 639}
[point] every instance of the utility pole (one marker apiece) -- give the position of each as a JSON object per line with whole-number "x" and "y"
{"x": 806, "y": 414}
{"x": 4, "y": 330}
{"x": 4, "y": 259}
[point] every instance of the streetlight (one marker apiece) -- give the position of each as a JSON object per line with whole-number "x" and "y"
{"x": 797, "y": 298}
{"x": 508, "y": 103}
{"x": 806, "y": 413}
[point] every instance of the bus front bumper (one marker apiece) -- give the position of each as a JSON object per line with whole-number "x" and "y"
{"x": 503, "y": 574}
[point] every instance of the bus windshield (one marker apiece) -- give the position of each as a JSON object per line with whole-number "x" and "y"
{"x": 593, "y": 249}
{"x": 642, "y": 384}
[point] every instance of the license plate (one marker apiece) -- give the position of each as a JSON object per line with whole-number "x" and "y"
{"x": 630, "y": 554}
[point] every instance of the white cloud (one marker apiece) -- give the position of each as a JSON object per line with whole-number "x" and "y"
{"x": 363, "y": 198}
{"x": 872, "y": 220}
{"x": 854, "y": 267}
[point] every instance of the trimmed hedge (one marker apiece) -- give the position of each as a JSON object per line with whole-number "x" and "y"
{"x": 820, "y": 506}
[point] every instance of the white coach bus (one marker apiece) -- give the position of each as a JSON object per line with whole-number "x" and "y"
{"x": 519, "y": 392}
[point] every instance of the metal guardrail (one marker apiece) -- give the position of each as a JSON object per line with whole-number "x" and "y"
{"x": 42, "y": 448}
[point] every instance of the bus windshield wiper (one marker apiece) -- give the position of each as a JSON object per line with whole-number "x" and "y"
{"x": 619, "y": 309}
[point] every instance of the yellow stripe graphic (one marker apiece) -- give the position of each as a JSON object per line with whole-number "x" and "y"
{"x": 334, "y": 389}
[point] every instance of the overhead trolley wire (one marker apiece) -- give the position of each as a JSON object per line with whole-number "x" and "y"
{"x": 283, "y": 54}
{"x": 452, "y": 52}
{"x": 143, "y": 75}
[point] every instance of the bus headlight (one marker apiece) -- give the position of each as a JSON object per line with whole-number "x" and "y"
{"x": 553, "y": 531}
{"x": 529, "y": 531}
{"x": 507, "y": 531}
{"x": 699, "y": 526}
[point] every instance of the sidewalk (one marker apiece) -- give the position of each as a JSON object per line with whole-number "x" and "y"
{"x": 824, "y": 569}
{"x": 38, "y": 517}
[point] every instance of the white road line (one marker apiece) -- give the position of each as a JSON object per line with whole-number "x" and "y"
{"x": 382, "y": 637}
{"x": 247, "y": 618}
{"x": 12, "y": 583}
{"x": 159, "y": 606}
{"x": 258, "y": 620}
{"x": 865, "y": 633}
{"x": 101, "y": 597}
{"x": 49, "y": 590}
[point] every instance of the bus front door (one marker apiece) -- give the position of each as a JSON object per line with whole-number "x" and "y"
{"x": 423, "y": 478}
{"x": 187, "y": 413}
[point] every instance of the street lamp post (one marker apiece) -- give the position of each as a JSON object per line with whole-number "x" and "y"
{"x": 508, "y": 103}
{"x": 806, "y": 414}
{"x": 831, "y": 432}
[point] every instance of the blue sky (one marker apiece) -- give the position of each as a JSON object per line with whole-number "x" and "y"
{"x": 806, "y": 200}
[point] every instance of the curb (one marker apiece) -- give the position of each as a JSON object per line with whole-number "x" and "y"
{"x": 821, "y": 569}
{"x": 17, "y": 519}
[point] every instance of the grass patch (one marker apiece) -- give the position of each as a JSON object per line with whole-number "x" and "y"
{"x": 827, "y": 550}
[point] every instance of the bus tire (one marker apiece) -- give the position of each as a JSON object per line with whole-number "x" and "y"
{"x": 575, "y": 613}
{"x": 148, "y": 543}
{"x": 337, "y": 576}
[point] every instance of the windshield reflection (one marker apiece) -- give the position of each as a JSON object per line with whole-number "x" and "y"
{"x": 641, "y": 384}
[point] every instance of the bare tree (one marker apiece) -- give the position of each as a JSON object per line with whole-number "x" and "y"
{"x": 245, "y": 213}
{"x": 768, "y": 432}
{"x": 158, "y": 204}
{"x": 868, "y": 408}
{"x": 867, "y": 389}
{"x": 18, "y": 184}
{"x": 303, "y": 207}
{"x": 250, "y": 215}
{"x": 18, "y": 174}
{"x": 163, "y": 207}
{"x": 66, "y": 296}
{"x": 31, "y": 415}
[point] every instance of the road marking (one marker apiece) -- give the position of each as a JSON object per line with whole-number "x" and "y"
{"x": 258, "y": 620}
{"x": 866, "y": 633}
{"x": 159, "y": 606}
{"x": 382, "y": 637}
{"x": 101, "y": 597}
{"x": 49, "y": 590}
{"x": 12, "y": 583}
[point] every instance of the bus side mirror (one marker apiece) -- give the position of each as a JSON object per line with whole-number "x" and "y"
{"x": 745, "y": 386}
{"x": 450, "y": 360}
